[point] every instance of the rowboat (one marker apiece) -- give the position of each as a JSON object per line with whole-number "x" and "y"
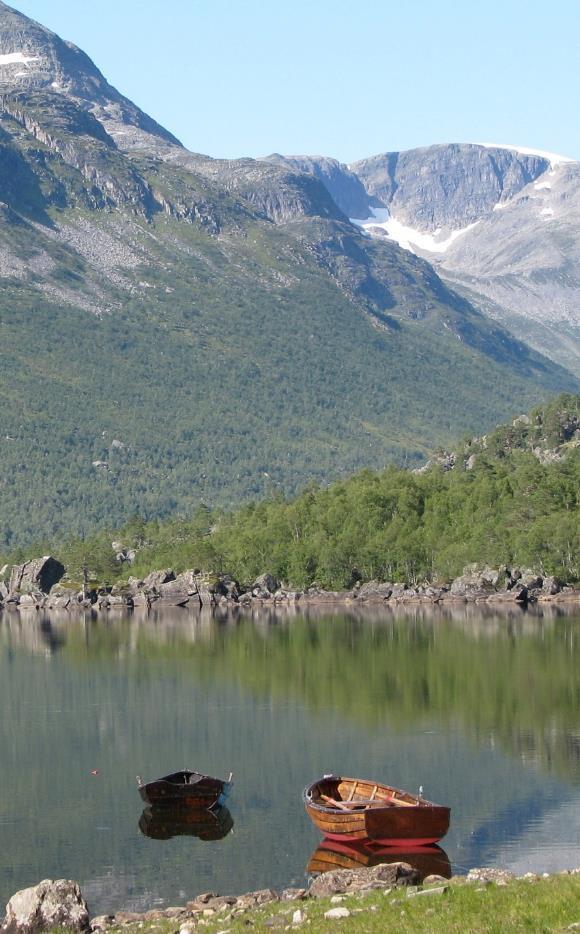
{"x": 163, "y": 823}
{"x": 336, "y": 854}
{"x": 186, "y": 789}
{"x": 357, "y": 809}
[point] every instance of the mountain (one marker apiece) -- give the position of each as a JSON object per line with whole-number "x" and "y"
{"x": 34, "y": 58}
{"x": 500, "y": 225}
{"x": 175, "y": 328}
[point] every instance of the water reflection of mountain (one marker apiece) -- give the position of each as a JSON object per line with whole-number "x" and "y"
{"x": 415, "y": 700}
{"x": 509, "y": 678}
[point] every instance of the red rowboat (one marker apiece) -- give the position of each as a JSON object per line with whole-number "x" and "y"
{"x": 357, "y": 809}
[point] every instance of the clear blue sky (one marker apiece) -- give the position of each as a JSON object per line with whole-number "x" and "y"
{"x": 347, "y": 79}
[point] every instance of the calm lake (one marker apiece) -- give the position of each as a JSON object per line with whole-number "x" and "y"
{"x": 481, "y": 708}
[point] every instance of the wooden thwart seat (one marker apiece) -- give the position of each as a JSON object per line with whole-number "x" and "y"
{"x": 349, "y": 804}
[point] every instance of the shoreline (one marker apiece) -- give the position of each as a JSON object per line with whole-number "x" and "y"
{"x": 41, "y": 584}
{"x": 363, "y": 895}
{"x": 105, "y": 602}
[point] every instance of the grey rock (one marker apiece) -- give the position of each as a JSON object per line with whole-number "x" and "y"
{"x": 551, "y": 586}
{"x": 449, "y": 185}
{"x": 477, "y": 580}
{"x": 435, "y": 890}
{"x": 48, "y": 905}
{"x": 102, "y": 922}
{"x": 154, "y": 580}
{"x": 338, "y": 881}
{"x": 135, "y": 584}
{"x": 293, "y": 895}
{"x": 142, "y": 600}
{"x": 345, "y": 187}
{"x": 265, "y": 585}
{"x": 374, "y": 591}
{"x": 434, "y": 879}
{"x": 531, "y": 581}
{"x": 40, "y": 574}
{"x": 490, "y": 874}
{"x": 255, "y": 899}
{"x": 30, "y": 601}
{"x": 115, "y": 602}
{"x": 336, "y": 914}
{"x": 57, "y": 66}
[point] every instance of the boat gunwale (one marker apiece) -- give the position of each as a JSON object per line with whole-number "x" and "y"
{"x": 325, "y": 809}
{"x": 167, "y": 780}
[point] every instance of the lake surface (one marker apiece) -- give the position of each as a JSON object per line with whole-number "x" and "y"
{"x": 481, "y": 708}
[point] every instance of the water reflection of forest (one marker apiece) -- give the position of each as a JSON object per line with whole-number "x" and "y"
{"x": 511, "y": 677}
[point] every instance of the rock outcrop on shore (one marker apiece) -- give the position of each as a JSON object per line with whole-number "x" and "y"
{"x": 60, "y": 904}
{"x": 46, "y": 906}
{"x": 37, "y": 585}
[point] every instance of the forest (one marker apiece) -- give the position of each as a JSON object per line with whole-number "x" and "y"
{"x": 512, "y": 498}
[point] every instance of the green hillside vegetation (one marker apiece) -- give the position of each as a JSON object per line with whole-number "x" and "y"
{"x": 183, "y": 332}
{"x": 395, "y": 525}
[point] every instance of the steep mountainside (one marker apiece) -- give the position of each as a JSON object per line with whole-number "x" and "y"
{"x": 500, "y": 225}
{"x": 176, "y": 328}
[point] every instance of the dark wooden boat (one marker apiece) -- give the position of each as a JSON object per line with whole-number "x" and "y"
{"x": 357, "y": 809}
{"x": 334, "y": 854}
{"x": 163, "y": 823}
{"x": 186, "y": 789}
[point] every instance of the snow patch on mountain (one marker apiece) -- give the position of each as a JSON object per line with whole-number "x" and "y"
{"x": 553, "y": 158}
{"x": 17, "y": 58}
{"x": 409, "y": 238}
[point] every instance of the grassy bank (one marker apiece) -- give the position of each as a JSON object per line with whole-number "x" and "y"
{"x": 534, "y": 904}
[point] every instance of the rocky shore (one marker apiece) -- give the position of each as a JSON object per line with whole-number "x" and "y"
{"x": 41, "y": 584}
{"x": 60, "y": 904}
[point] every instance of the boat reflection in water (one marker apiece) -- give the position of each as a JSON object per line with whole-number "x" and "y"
{"x": 163, "y": 823}
{"x": 332, "y": 854}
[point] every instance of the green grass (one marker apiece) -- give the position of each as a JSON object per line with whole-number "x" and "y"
{"x": 538, "y": 905}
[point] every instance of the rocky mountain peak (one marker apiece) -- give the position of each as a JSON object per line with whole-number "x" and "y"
{"x": 448, "y": 186}
{"x": 34, "y": 58}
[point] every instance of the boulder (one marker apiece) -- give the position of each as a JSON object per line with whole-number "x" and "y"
{"x": 434, "y": 879}
{"x": 211, "y": 587}
{"x": 141, "y": 599}
{"x": 551, "y": 586}
{"x": 374, "y": 591}
{"x": 383, "y": 876}
{"x": 265, "y": 585}
{"x": 531, "y": 580}
{"x": 228, "y": 587}
{"x": 31, "y": 601}
{"x": 479, "y": 581}
{"x": 38, "y": 574}
{"x": 48, "y": 905}
{"x": 398, "y": 591}
{"x": 154, "y": 580}
{"x": 174, "y": 594}
{"x": 115, "y": 601}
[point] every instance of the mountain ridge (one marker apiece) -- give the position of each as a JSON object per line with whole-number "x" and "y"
{"x": 177, "y": 329}
{"x": 500, "y": 224}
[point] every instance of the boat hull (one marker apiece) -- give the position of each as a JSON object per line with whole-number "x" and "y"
{"x": 186, "y": 789}
{"x": 394, "y": 817}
